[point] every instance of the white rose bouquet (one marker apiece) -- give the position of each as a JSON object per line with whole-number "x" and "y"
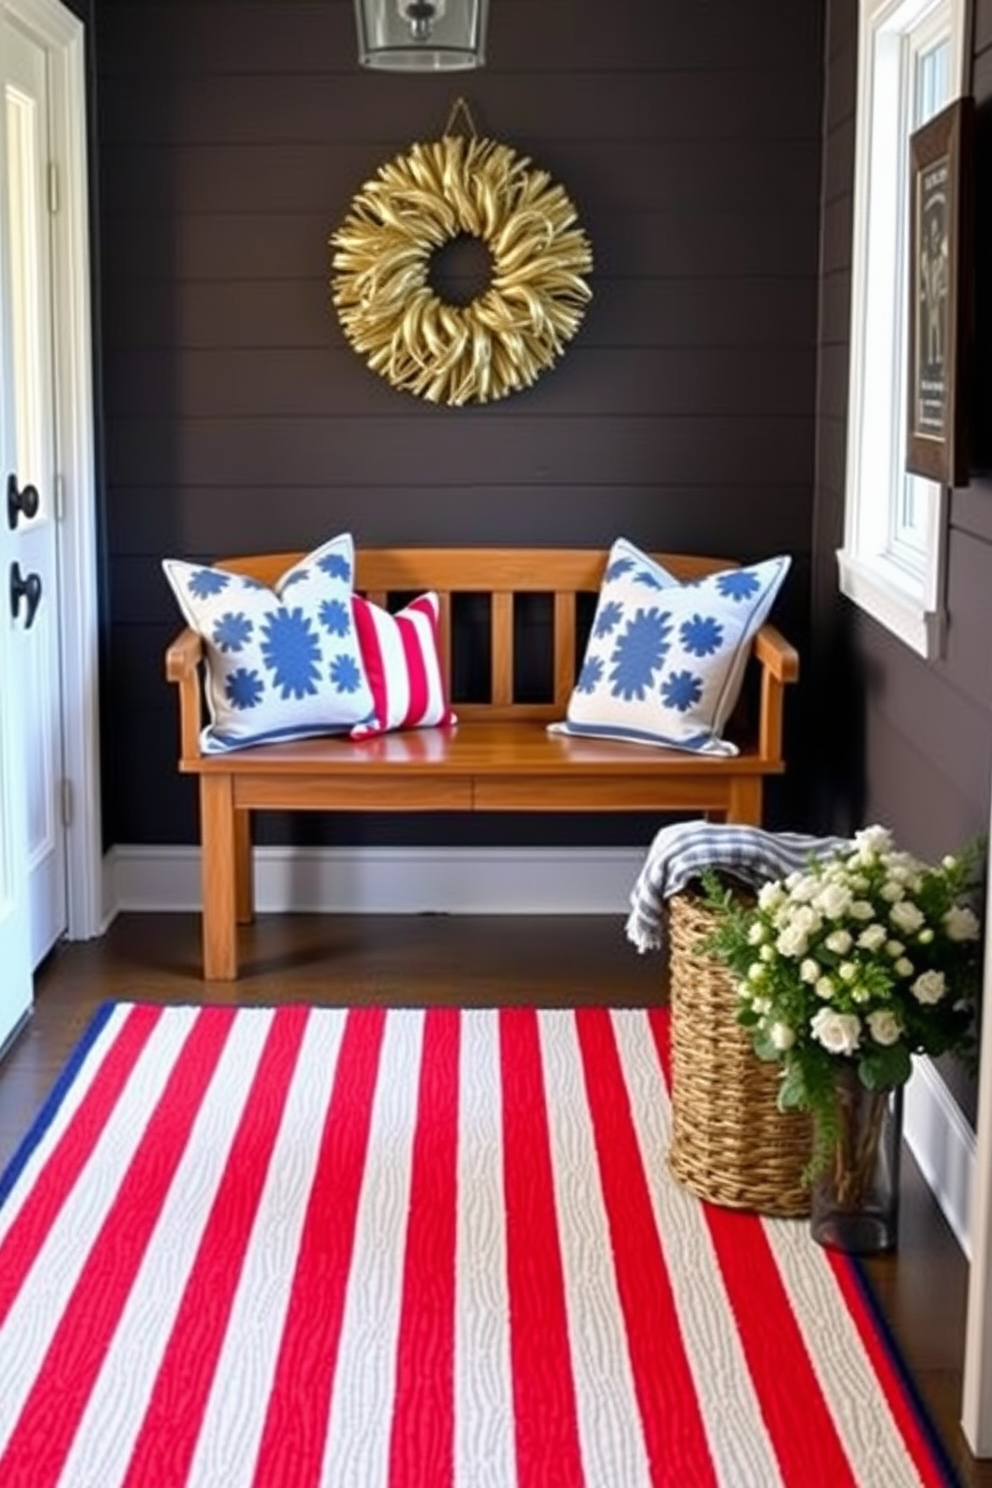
{"x": 868, "y": 957}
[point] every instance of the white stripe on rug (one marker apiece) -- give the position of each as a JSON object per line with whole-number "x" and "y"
{"x": 485, "y": 1454}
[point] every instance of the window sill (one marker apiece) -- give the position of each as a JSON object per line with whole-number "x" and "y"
{"x": 875, "y": 588}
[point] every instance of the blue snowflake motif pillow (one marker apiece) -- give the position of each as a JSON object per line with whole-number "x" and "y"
{"x": 665, "y": 661}
{"x": 282, "y": 663}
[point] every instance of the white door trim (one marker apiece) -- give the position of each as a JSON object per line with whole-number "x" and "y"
{"x": 63, "y": 36}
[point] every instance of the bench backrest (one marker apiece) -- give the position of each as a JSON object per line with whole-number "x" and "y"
{"x": 509, "y": 613}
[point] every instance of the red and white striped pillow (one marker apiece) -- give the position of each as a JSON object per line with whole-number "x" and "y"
{"x": 400, "y": 654}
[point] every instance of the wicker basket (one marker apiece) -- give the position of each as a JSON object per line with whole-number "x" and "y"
{"x": 730, "y": 1142}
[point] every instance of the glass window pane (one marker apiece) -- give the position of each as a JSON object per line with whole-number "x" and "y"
{"x": 933, "y": 68}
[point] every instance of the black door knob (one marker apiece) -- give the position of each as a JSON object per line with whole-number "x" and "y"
{"x": 20, "y": 502}
{"x": 26, "y": 587}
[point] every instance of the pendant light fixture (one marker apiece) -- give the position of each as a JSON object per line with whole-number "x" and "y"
{"x": 421, "y": 35}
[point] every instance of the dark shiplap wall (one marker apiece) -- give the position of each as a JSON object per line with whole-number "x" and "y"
{"x": 837, "y": 697}
{"x": 231, "y": 140}
{"x": 903, "y": 741}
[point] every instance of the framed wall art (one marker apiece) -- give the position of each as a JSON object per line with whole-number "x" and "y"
{"x": 940, "y": 294}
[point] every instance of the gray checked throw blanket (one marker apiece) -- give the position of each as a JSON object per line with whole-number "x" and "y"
{"x": 679, "y": 854}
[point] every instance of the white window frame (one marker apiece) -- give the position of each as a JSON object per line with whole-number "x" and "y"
{"x": 899, "y": 582}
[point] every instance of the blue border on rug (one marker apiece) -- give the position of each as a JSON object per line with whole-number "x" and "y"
{"x": 55, "y": 1097}
{"x": 911, "y": 1389}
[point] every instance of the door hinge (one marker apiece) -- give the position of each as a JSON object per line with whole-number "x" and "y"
{"x": 66, "y": 801}
{"x": 53, "y": 187}
{"x": 58, "y": 485}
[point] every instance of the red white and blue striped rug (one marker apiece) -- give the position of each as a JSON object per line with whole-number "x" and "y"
{"x": 282, "y": 1248}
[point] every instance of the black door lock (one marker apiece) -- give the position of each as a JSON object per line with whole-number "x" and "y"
{"x": 20, "y": 502}
{"x": 27, "y": 588}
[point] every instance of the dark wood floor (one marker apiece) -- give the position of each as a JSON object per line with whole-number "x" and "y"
{"x": 416, "y": 960}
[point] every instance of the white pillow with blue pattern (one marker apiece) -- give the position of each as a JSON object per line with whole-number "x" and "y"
{"x": 665, "y": 661}
{"x": 281, "y": 663}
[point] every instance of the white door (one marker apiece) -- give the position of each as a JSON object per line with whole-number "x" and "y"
{"x": 29, "y": 479}
{"x": 15, "y": 923}
{"x": 15, "y": 920}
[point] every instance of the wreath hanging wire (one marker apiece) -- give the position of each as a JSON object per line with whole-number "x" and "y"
{"x": 509, "y": 334}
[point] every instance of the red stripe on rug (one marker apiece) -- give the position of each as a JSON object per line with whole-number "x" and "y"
{"x": 917, "y": 1443}
{"x": 165, "y": 1445}
{"x": 421, "y": 1449}
{"x": 55, "y": 1404}
{"x": 674, "y": 1433}
{"x": 62, "y": 1168}
{"x": 294, "y": 1435}
{"x": 799, "y": 1421}
{"x": 545, "y": 1416}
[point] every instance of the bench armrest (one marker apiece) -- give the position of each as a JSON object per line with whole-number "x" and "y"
{"x": 776, "y": 653}
{"x": 182, "y": 666}
{"x": 779, "y": 664}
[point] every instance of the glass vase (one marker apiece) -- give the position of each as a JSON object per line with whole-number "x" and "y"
{"x": 855, "y": 1198}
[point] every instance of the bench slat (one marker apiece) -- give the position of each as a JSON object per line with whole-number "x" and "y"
{"x": 476, "y": 570}
{"x": 501, "y": 685}
{"x": 444, "y": 639}
{"x": 565, "y": 643}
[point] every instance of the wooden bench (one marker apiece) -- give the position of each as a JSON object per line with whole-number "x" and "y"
{"x": 499, "y": 757}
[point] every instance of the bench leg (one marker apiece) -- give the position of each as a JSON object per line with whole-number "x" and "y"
{"x": 746, "y": 803}
{"x": 244, "y": 869}
{"x": 218, "y": 868}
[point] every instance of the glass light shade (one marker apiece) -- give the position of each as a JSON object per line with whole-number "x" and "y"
{"x": 421, "y": 35}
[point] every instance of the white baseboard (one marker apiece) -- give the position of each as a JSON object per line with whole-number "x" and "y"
{"x": 109, "y": 897}
{"x": 943, "y": 1145}
{"x": 441, "y": 880}
{"x": 390, "y": 880}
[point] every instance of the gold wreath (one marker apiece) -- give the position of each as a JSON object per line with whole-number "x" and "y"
{"x": 506, "y": 337}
